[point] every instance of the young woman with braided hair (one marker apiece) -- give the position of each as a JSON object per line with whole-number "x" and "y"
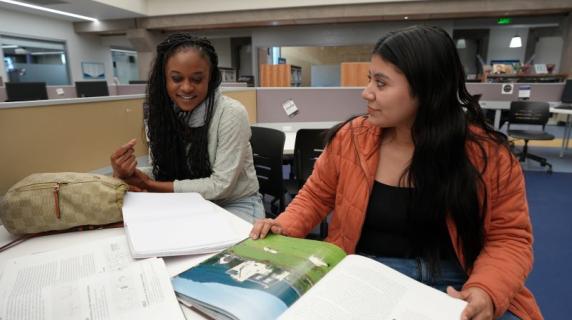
{"x": 198, "y": 138}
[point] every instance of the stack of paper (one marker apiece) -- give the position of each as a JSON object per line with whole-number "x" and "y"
{"x": 170, "y": 224}
{"x": 97, "y": 281}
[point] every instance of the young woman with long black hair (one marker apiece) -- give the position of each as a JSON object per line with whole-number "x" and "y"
{"x": 199, "y": 139}
{"x": 422, "y": 184}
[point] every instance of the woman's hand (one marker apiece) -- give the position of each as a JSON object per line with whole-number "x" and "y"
{"x": 263, "y": 226}
{"x": 480, "y": 305}
{"x": 138, "y": 181}
{"x": 123, "y": 160}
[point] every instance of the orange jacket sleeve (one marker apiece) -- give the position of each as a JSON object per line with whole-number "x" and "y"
{"x": 506, "y": 259}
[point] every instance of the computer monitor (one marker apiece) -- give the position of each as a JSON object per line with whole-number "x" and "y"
{"x": 26, "y": 91}
{"x": 137, "y": 81}
{"x": 567, "y": 92}
{"x": 91, "y": 89}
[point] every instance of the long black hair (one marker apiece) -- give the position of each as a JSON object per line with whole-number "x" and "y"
{"x": 444, "y": 181}
{"x": 169, "y": 133}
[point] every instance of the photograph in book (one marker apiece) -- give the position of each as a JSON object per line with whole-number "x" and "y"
{"x": 274, "y": 272}
{"x": 291, "y": 278}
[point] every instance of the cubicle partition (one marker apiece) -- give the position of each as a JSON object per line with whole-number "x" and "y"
{"x": 80, "y": 134}
{"x": 314, "y": 104}
{"x": 538, "y": 91}
{"x": 69, "y": 92}
{"x": 71, "y": 135}
{"x": 76, "y": 134}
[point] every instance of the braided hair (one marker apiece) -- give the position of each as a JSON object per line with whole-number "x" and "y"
{"x": 169, "y": 134}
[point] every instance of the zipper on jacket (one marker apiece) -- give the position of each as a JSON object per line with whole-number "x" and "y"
{"x": 57, "y": 200}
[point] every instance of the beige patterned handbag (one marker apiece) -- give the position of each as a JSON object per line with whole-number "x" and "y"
{"x": 59, "y": 201}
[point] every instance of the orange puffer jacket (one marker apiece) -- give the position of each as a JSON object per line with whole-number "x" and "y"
{"x": 342, "y": 180}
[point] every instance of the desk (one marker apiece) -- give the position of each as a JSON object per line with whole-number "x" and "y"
{"x": 290, "y": 129}
{"x": 175, "y": 265}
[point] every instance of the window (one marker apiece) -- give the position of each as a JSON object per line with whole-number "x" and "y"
{"x": 124, "y": 65}
{"x": 31, "y": 60}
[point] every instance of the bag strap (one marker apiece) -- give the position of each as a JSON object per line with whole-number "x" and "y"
{"x": 47, "y": 233}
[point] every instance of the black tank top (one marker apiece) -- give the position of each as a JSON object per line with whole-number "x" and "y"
{"x": 385, "y": 231}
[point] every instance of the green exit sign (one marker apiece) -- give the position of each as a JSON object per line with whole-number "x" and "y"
{"x": 504, "y": 20}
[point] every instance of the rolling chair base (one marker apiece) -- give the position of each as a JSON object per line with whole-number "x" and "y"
{"x": 543, "y": 162}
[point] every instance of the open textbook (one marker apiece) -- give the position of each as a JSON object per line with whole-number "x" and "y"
{"x": 91, "y": 282}
{"x": 289, "y": 278}
{"x": 171, "y": 224}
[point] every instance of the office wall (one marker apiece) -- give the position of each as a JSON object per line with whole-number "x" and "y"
{"x": 73, "y": 137}
{"x": 499, "y": 40}
{"x": 306, "y": 57}
{"x": 222, "y": 48}
{"x": 328, "y": 35}
{"x": 79, "y": 47}
{"x": 549, "y": 50}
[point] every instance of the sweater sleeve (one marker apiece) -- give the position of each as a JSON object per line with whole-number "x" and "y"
{"x": 506, "y": 259}
{"x": 232, "y": 142}
{"x": 317, "y": 197}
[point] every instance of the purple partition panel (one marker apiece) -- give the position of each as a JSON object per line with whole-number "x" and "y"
{"x": 69, "y": 92}
{"x": 314, "y": 104}
{"x": 538, "y": 91}
{"x": 123, "y": 89}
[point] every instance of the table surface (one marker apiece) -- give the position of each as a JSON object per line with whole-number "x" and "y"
{"x": 175, "y": 265}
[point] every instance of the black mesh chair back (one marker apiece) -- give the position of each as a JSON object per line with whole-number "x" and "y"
{"x": 530, "y": 113}
{"x": 307, "y": 148}
{"x": 267, "y": 148}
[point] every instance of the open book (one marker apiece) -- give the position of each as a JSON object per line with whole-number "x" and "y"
{"x": 171, "y": 224}
{"x": 95, "y": 281}
{"x": 289, "y": 278}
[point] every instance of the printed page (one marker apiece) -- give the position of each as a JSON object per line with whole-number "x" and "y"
{"x": 361, "y": 288}
{"x": 29, "y": 275}
{"x": 138, "y": 291}
{"x": 168, "y": 224}
{"x": 274, "y": 272}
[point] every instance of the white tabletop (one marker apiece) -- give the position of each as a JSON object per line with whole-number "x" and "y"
{"x": 175, "y": 265}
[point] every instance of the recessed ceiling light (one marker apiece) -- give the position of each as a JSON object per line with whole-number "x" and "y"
{"x": 31, "y": 6}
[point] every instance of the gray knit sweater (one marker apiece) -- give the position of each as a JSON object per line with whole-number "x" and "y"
{"x": 230, "y": 156}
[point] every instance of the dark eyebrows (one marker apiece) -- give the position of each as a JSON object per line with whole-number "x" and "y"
{"x": 378, "y": 75}
{"x": 197, "y": 73}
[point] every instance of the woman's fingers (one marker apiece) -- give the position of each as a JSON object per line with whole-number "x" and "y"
{"x": 263, "y": 226}
{"x": 123, "y": 160}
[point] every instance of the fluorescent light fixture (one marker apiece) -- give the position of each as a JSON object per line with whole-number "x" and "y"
{"x": 515, "y": 42}
{"x": 461, "y": 43}
{"x": 31, "y": 6}
{"x": 9, "y": 46}
{"x": 45, "y": 53}
{"x": 125, "y": 51}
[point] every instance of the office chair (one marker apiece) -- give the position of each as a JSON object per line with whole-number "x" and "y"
{"x": 267, "y": 148}
{"x": 307, "y": 148}
{"x": 530, "y": 113}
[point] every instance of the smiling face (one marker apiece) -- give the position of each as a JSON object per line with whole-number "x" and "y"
{"x": 389, "y": 101}
{"x": 187, "y": 75}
